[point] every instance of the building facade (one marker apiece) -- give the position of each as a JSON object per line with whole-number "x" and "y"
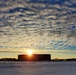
{"x": 34, "y": 57}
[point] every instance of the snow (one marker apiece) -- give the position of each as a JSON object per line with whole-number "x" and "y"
{"x": 37, "y": 68}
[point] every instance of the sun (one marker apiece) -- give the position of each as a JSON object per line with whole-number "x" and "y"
{"x": 29, "y": 52}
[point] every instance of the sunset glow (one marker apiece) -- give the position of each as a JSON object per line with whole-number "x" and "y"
{"x": 29, "y": 52}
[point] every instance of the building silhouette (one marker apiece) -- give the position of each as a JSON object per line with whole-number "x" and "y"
{"x": 34, "y": 57}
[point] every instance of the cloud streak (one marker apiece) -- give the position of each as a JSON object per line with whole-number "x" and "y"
{"x": 38, "y": 24}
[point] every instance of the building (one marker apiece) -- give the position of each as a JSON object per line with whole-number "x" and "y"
{"x": 34, "y": 57}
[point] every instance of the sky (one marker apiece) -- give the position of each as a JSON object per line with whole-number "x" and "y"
{"x": 44, "y": 26}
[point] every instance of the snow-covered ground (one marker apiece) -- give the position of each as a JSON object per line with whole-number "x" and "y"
{"x": 37, "y": 68}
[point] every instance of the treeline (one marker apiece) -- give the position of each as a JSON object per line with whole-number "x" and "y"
{"x": 8, "y": 59}
{"x": 70, "y": 59}
{"x": 14, "y": 59}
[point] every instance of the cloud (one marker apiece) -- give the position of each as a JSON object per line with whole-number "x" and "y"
{"x": 41, "y": 25}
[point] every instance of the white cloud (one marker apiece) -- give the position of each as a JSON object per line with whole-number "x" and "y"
{"x": 37, "y": 25}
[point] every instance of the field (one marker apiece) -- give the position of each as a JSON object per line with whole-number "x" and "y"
{"x": 37, "y": 68}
